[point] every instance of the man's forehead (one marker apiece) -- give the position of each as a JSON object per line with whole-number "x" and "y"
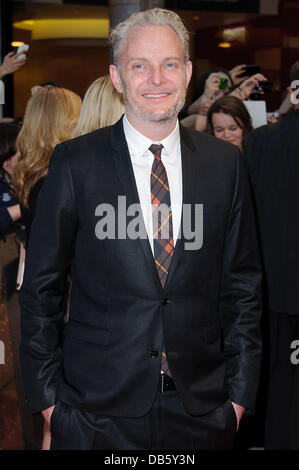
{"x": 133, "y": 48}
{"x": 150, "y": 27}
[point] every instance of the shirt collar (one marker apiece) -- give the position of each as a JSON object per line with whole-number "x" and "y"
{"x": 139, "y": 144}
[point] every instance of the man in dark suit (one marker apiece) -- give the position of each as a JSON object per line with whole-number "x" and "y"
{"x": 272, "y": 156}
{"x": 162, "y": 346}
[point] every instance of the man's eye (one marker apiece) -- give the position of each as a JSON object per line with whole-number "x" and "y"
{"x": 170, "y": 65}
{"x": 138, "y": 66}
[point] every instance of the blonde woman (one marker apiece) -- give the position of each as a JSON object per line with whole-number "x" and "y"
{"x": 102, "y": 106}
{"x": 50, "y": 118}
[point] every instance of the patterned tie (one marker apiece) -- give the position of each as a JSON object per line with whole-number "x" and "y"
{"x": 162, "y": 216}
{"x": 162, "y": 224}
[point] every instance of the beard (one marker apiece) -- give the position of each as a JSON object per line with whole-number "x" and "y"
{"x": 164, "y": 116}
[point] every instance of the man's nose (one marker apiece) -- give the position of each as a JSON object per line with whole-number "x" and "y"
{"x": 157, "y": 76}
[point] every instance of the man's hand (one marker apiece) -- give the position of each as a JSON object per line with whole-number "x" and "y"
{"x": 47, "y": 415}
{"x": 272, "y": 119}
{"x": 239, "y": 410}
{"x": 212, "y": 85}
{"x": 11, "y": 63}
{"x": 248, "y": 85}
{"x": 47, "y": 433}
{"x": 236, "y": 71}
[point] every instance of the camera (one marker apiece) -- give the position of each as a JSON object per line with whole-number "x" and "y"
{"x": 22, "y": 48}
{"x": 262, "y": 86}
{"x": 223, "y": 83}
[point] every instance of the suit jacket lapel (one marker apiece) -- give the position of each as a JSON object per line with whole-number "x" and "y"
{"x": 123, "y": 164}
{"x": 189, "y": 183}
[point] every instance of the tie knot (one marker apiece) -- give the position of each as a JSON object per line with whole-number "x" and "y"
{"x": 156, "y": 149}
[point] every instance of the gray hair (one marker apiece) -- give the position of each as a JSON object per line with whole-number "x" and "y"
{"x": 153, "y": 17}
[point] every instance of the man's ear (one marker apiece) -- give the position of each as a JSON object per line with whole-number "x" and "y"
{"x": 189, "y": 71}
{"x": 115, "y": 78}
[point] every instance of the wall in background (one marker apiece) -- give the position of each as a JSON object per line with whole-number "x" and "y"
{"x": 71, "y": 64}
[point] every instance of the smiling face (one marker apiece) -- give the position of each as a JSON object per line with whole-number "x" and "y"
{"x": 226, "y": 128}
{"x": 153, "y": 77}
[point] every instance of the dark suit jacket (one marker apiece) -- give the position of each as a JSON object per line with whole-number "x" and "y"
{"x": 207, "y": 315}
{"x": 28, "y": 213}
{"x": 272, "y": 156}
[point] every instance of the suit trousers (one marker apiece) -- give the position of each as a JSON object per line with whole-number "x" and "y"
{"x": 167, "y": 426}
{"x": 282, "y": 410}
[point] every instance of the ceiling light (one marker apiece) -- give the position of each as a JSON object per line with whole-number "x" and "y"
{"x": 234, "y": 34}
{"x": 65, "y": 28}
{"x": 224, "y": 44}
{"x": 17, "y": 43}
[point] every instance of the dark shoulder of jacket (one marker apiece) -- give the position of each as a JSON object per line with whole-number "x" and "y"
{"x": 79, "y": 152}
{"x": 262, "y": 131}
{"x": 209, "y": 145}
{"x": 271, "y": 133}
{"x": 87, "y": 141}
{"x": 203, "y": 139}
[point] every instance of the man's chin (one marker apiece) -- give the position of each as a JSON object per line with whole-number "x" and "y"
{"x": 154, "y": 116}
{"x": 162, "y": 116}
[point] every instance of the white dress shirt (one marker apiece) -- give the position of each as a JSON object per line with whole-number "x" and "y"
{"x": 142, "y": 161}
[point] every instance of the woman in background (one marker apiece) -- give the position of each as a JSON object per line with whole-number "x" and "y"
{"x": 50, "y": 118}
{"x": 228, "y": 119}
{"x": 102, "y": 106}
{"x": 9, "y": 204}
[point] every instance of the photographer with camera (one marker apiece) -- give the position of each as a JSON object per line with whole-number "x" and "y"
{"x": 252, "y": 88}
{"x": 215, "y": 84}
{"x": 11, "y": 63}
{"x": 211, "y": 86}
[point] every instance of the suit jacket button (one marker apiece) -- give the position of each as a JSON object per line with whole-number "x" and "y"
{"x": 154, "y": 353}
{"x": 164, "y": 300}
